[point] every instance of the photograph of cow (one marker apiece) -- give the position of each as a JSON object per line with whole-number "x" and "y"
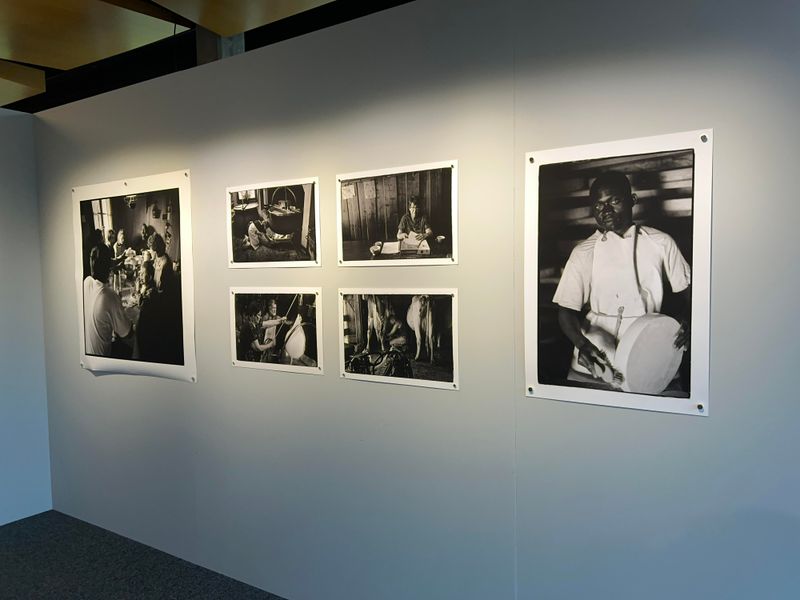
{"x": 400, "y": 336}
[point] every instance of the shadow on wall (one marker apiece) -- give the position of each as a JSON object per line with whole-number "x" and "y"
{"x": 747, "y": 555}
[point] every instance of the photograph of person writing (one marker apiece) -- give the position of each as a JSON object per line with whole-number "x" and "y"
{"x": 615, "y": 254}
{"x": 273, "y": 328}
{"x": 132, "y": 306}
{"x": 394, "y": 216}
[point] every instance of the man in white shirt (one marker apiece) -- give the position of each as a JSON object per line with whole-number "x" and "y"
{"x": 103, "y": 315}
{"x": 619, "y": 273}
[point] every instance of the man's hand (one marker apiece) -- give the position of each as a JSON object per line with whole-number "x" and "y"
{"x": 684, "y": 336}
{"x": 421, "y": 236}
{"x": 401, "y": 235}
{"x": 590, "y": 357}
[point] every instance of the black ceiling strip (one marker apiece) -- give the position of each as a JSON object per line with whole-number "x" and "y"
{"x": 169, "y": 55}
{"x": 320, "y": 17}
{"x": 179, "y": 52}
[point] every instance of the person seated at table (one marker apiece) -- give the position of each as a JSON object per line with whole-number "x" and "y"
{"x": 147, "y": 329}
{"x": 107, "y": 329}
{"x": 163, "y": 319}
{"x": 120, "y": 246}
{"x": 111, "y": 238}
{"x": 145, "y": 285}
{"x": 139, "y": 243}
{"x": 414, "y": 223}
{"x": 162, "y": 263}
{"x": 93, "y": 240}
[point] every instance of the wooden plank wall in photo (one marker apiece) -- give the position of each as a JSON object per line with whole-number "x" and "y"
{"x": 373, "y": 206}
{"x": 662, "y": 182}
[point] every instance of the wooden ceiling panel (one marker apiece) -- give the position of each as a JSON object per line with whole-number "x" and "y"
{"x": 229, "y": 17}
{"x": 63, "y": 34}
{"x": 18, "y": 82}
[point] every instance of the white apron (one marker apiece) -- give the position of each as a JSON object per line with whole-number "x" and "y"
{"x": 616, "y": 298}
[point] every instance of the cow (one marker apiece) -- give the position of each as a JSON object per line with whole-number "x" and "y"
{"x": 376, "y": 320}
{"x": 420, "y": 319}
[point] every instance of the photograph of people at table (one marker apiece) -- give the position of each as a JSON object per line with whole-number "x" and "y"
{"x": 274, "y": 329}
{"x": 404, "y": 336}
{"x": 273, "y": 224}
{"x": 615, "y": 254}
{"x": 132, "y": 306}
{"x": 398, "y": 215}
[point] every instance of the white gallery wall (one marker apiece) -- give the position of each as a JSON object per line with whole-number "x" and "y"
{"x": 316, "y": 487}
{"x": 24, "y": 450}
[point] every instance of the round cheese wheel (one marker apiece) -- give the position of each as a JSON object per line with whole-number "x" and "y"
{"x": 647, "y": 356}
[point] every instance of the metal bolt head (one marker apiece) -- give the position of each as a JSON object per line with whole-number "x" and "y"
{"x": 704, "y": 138}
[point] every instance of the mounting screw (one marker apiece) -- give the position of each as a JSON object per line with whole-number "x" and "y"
{"x": 530, "y": 390}
{"x": 82, "y": 366}
{"x": 531, "y": 160}
{"x": 452, "y": 166}
{"x": 455, "y": 386}
{"x": 704, "y": 138}
{"x": 700, "y": 407}
{"x": 73, "y": 190}
{"x": 340, "y": 262}
{"x": 342, "y": 374}
{"x": 185, "y": 174}
{"x": 125, "y": 183}
{"x": 452, "y": 259}
{"x": 194, "y": 378}
{"x": 233, "y": 362}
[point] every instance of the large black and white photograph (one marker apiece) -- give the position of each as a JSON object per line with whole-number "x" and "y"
{"x": 402, "y": 336}
{"x": 278, "y": 329}
{"x": 273, "y": 224}
{"x": 617, "y": 273}
{"x": 398, "y": 216}
{"x": 134, "y": 276}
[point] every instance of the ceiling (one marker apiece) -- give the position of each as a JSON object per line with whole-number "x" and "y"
{"x": 57, "y": 51}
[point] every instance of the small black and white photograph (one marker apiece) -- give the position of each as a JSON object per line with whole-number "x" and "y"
{"x": 399, "y": 216}
{"x": 400, "y": 336}
{"x": 614, "y": 282}
{"x": 277, "y": 329}
{"x": 133, "y": 277}
{"x": 273, "y": 224}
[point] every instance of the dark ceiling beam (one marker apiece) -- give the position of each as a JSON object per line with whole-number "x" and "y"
{"x": 326, "y": 15}
{"x": 151, "y": 9}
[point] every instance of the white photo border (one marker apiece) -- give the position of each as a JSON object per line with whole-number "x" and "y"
{"x": 140, "y": 185}
{"x": 443, "y": 385}
{"x": 317, "y": 262}
{"x": 701, "y": 141}
{"x": 404, "y": 262}
{"x": 317, "y": 291}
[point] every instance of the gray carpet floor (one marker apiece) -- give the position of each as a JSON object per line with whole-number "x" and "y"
{"x": 51, "y": 555}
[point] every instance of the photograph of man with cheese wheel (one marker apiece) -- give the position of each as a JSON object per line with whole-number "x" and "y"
{"x": 615, "y": 254}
